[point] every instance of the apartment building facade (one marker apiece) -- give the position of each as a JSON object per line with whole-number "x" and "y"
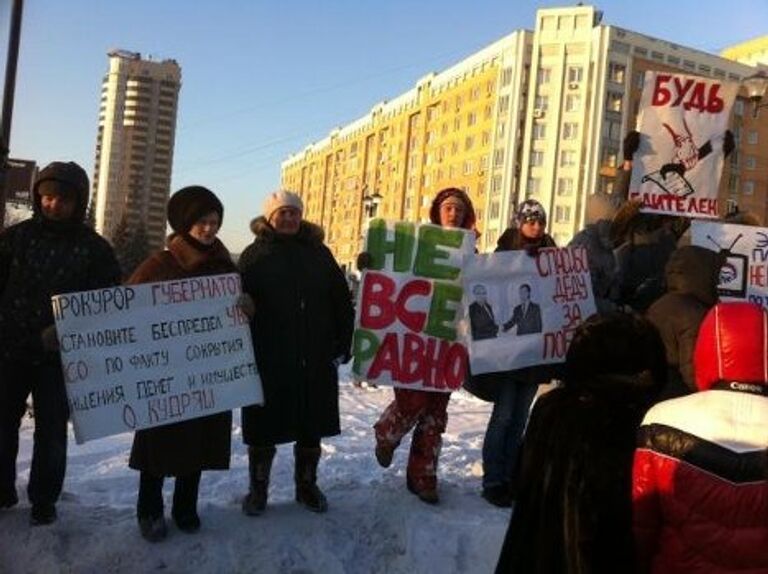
{"x": 538, "y": 114}
{"x": 134, "y": 145}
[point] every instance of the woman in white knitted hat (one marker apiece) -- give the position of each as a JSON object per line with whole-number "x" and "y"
{"x": 302, "y": 330}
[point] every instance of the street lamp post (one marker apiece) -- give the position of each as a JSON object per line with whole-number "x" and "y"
{"x": 756, "y": 85}
{"x": 8, "y": 93}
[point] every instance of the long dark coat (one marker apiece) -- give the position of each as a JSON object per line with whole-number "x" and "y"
{"x": 573, "y": 509}
{"x": 303, "y": 321}
{"x": 198, "y": 444}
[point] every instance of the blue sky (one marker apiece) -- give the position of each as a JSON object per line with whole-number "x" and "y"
{"x": 263, "y": 79}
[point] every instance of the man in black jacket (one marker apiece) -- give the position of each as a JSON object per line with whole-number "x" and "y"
{"x": 53, "y": 252}
{"x": 527, "y": 315}
{"x": 481, "y": 317}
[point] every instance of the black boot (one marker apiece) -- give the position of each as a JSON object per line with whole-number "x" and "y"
{"x": 149, "y": 508}
{"x": 184, "y": 510}
{"x": 307, "y": 492}
{"x": 259, "y": 466}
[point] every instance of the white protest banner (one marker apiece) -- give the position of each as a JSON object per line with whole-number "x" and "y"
{"x": 409, "y": 305}
{"x": 148, "y": 355}
{"x": 744, "y": 276}
{"x": 683, "y": 120}
{"x": 521, "y": 310}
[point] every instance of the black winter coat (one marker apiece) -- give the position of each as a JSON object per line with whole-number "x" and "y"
{"x": 595, "y": 238}
{"x": 40, "y": 258}
{"x": 182, "y": 448}
{"x": 303, "y": 321}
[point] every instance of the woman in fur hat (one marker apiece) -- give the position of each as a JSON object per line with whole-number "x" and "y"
{"x": 186, "y": 448}
{"x": 302, "y": 330}
{"x": 424, "y": 412}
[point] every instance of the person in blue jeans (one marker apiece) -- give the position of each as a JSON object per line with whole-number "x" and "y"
{"x": 512, "y": 391}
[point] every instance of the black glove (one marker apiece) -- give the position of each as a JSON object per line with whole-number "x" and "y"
{"x": 728, "y": 143}
{"x": 631, "y": 143}
{"x": 678, "y": 168}
{"x": 364, "y": 261}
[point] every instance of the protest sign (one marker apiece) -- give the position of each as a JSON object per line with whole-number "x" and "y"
{"x": 409, "y": 306}
{"x": 744, "y": 276}
{"x": 683, "y": 120}
{"x": 147, "y": 355}
{"x": 521, "y": 310}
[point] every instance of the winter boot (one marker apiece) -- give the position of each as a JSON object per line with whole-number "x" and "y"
{"x": 305, "y": 475}
{"x": 426, "y": 492}
{"x": 149, "y": 508}
{"x": 43, "y": 513}
{"x": 184, "y": 510}
{"x": 259, "y": 466}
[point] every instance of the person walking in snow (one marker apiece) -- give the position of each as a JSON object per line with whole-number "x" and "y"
{"x": 54, "y": 252}
{"x": 302, "y": 330}
{"x": 186, "y": 448}
{"x": 423, "y": 411}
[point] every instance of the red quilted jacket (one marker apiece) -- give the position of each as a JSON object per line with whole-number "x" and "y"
{"x": 700, "y": 480}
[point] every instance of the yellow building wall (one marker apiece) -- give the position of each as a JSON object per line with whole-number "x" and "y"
{"x": 441, "y": 138}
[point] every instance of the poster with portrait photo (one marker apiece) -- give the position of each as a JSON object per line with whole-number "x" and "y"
{"x": 521, "y": 310}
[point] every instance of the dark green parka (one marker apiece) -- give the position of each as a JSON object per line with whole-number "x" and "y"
{"x": 303, "y": 321}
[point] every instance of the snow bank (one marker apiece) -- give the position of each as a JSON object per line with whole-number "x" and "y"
{"x": 374, "y": 524}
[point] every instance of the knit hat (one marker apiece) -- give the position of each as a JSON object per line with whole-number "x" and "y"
{"x": 191, "y": 203}
{"x": 278, "y": 199}
{"x": 530, "y": 210}
{"x": 72, "y": 179}
{"x": 434, "y": 210}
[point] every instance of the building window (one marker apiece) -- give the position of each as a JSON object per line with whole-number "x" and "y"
{"x": 503, "y": 104}
{"x": 469, "y": 142}
{"x": 738, "y": 107}
{"x": 572, "y": 103}
{"x": 485, "y": 138}
{"x": 543, "y": 76}
{"x": 488, "y": 111}
{"x": 495, "y": 184}
{"x": 500, "y": 130}
{"x": 498, "y": 158}
{"x": 749, "y": 188}
{"x": 541, "y": 103}
{"x": 562, "y": 214}
{"x": 483, "y": 162}
{"x": 474, "y": 94}
{"x": 506, "y": 76}
{"x": 575, "y": 74}
{"x": 564, "y": 186}
{"x": 570, "y": 130}
{"x": 533, "y": 186}
{"x": 457, "y": 123}
{"x": 752, "y": 137}
{"x": 471, "y": 118}
{"x": 610, "y": 156}
{"x": 567, "y": 158}
{"x": 469, "y": 167}
{"x": 750, "y": 162}
{"x": 539, "y": 131}
{"x": 613, "y": 102}
{"x": 616, "y": 72}
{"x": 493, "y": 212}
{"x": 537, "y": 158}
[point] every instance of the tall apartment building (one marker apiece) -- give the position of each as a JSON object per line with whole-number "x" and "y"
{"x": 134, "y": 145}
{"x": 536, "y": 114}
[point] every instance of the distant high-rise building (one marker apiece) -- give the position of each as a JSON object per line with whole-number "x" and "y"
{"x": 134, "y": 145}
{"x": 537, "y": 114}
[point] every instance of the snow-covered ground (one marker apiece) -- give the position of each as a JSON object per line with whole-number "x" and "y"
{"x": 374, "y": 524}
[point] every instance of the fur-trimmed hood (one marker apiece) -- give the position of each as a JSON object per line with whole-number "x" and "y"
{"x": 308, "y": 232}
